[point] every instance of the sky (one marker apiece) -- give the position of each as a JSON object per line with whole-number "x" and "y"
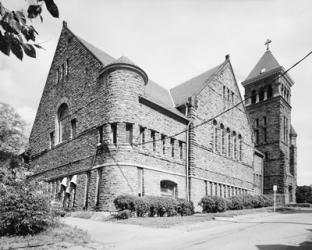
{"x": 173, "y": 41}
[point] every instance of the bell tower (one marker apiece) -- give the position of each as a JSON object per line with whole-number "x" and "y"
{"x": 268, "y": 103}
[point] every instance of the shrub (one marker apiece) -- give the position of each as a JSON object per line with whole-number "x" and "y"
{"x": 185, "y": 207}
{"x": 220, "y": 204}
{"x": 124, "y": 214}
{"x": 125, "y": 202}
{"x": 213, "y": 204}
{"x": 23, "y": 210}
{"x": 162, "y": 206}
{"x": 236, "y": 203}
{"x": 154, "y": 205}
{"x": 258, "y": 201}
{"x": 142, "y": 206}
{"x": 208, "y": 204}
{"x": 247, "y": 201}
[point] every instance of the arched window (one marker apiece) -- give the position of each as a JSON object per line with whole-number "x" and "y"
{"x": 270, "y": 91}
{"x": 261, "y": 94}
{"x": 240, "y": 149}
{"x": 63, "y": 123}
{"x": 222, "y": 139}
{"x": 169, "y": 188}
{"x": 234, "y": 146}
{"x": 253, "y": 96}
{"x": 215, "y": 139}
{"x": 229, "y": 143}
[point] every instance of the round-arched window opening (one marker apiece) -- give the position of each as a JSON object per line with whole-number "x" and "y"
{"x": 270, "y": 91}
{"x": 169, "y": 188}
{"x": 261, "y": 94}
{"x": 63, "y": 128}
{"x": 253, "y": 97}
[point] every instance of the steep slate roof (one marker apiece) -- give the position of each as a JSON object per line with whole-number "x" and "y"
{"x": 153, "y": 91}
{"x": 99, "y": 54}
{"x": 182, "y": 92}
{"x": 267, "y": 62}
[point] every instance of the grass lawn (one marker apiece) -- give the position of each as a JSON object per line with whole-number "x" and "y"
{"x": 58, "y": 237}
{"x": 167, "y": 222}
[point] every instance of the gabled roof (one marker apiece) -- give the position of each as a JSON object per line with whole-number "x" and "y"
{"x": 182, "y": 92}
{"x": 266, "y": 63}
{"x": 155, "y": 91}
{"x": 98, "y": 53}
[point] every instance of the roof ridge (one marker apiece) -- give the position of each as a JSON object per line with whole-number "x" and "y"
{"x": 183, "y": 91}
{"x": 104, "y": 58}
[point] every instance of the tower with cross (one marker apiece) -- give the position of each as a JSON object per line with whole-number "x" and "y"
{"x": 268, "y": 103}
{"x": 267, "y": 44}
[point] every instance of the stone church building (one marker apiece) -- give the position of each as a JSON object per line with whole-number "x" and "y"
{"x": 103, "y": 128}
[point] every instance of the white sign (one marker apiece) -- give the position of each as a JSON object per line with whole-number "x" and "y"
{"x": 274, "y": 188}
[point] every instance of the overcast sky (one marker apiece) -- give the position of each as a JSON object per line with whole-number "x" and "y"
{"x": 174, "y": 41}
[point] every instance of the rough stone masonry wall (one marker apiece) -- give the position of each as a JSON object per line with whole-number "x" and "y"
{"x": 210, "y": 164}
{"x": 95, "y": 101}
{"x": 276, "y": 149}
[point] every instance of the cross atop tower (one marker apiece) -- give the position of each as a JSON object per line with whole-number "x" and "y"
{"x": 267, "y": 44}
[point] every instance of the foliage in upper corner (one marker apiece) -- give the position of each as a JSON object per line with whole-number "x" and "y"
{"x": 16, "y": 34}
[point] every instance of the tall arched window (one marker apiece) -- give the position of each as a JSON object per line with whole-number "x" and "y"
{"x": 215, "y": 140}
{"x": 234, "y": 146}
{"x": 222, "y": 139}
{"x": 63, "y": 123}
{"x": 169, "y": 188}
{"x": 229, "y": 143}
{"x": 240, "y": 154}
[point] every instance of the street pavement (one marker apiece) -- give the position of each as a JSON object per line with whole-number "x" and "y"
{"x": 264, "y": 231}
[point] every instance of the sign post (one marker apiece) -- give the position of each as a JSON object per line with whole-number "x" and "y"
{"x": 274, "y": 197}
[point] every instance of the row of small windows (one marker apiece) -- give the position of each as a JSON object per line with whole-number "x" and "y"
{"x": 226, "y": 142}
{"x": 223, "y": 190}
{"x": 148, "y": 139}
{"x": 62, "y": 71}
{"x": 66, "y": 130}
{"x": 262, "y": 94}
{"x": 228, "y": 95}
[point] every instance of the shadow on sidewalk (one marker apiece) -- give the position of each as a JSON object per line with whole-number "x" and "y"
{"x": 306, "y": 245}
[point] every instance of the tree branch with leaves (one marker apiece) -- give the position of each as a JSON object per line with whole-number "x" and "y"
{"x": 17, "y": 35}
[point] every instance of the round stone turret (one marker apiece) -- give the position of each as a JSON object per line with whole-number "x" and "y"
{"x": 125, "y": 63}
{"x": 124, "y": 83}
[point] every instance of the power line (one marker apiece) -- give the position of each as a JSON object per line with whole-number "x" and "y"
{"x": 225, "y": 111}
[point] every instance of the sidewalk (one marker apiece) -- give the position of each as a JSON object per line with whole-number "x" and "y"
{"x": 125, "y": 236}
